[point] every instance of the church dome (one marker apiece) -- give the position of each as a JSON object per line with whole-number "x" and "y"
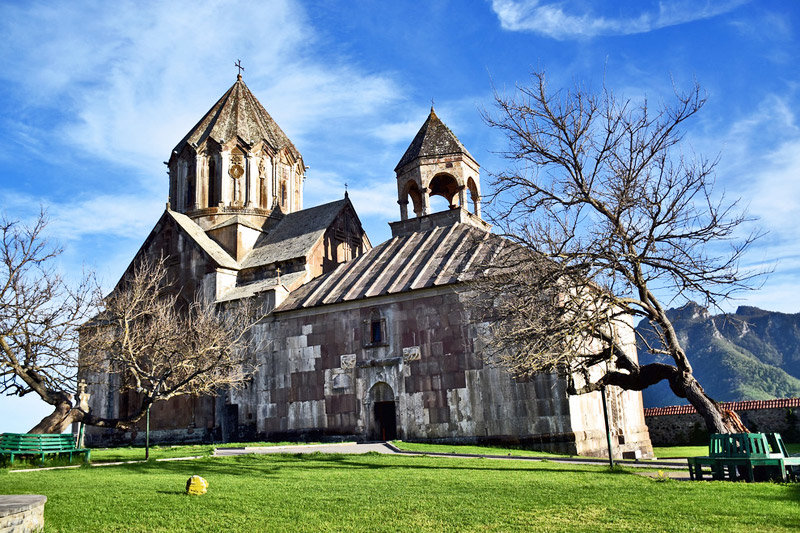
{"x": 235, "y": 161}
{"x": 238, "y": 114}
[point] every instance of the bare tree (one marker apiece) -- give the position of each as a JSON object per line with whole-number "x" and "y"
{"x": 608, "y": 218}
{"x": 39, "y": 317}
{"x": 160, "y": 345}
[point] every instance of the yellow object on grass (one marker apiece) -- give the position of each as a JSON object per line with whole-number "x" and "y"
{"x": 196, "y": 485}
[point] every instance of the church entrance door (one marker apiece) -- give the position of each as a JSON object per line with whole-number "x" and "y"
{"x": 385, "y": 420}
{"x": 383, "y": 425}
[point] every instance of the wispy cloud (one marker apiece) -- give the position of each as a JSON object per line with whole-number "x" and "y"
{"x": 760, "y": 164}
{"x": 571, "y": 19}
{"x": 89, "y": 215}
{"x": 128, "y": 80}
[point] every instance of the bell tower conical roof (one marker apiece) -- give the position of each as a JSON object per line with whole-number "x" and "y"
{"x": 437, "y": 164}
{"x": 434, "y": 139}
{"x": 238, "y": 114}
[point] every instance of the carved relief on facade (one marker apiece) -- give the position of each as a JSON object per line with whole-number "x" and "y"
{"x": 236, "y": 172}
{"x": 347, "y": 361}
{"x": 411, "y": 353}
{"x": 263, "y": 199}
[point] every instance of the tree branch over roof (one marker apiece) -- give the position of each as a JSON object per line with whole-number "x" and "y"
{"x": 606, "y": 213}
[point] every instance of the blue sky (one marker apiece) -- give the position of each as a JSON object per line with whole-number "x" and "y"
{"x": 94, "y": 96}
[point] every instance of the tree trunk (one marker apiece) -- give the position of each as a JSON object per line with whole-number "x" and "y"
{"x": 65, "y": 415}
{"x": 59, "y": 420}
{"x": 717, "y": 419}
{"x": 683, "y": 384}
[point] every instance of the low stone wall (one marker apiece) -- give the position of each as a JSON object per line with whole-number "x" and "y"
{"x": 102, "y": 437}
{"x": 680, "y": 424}
{"x": 21, "y": 513}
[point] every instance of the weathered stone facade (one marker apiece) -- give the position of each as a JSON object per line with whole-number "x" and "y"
{"x": 360, "y": 342}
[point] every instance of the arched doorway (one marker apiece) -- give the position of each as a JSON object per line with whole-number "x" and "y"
{"x": 384, "y": 415}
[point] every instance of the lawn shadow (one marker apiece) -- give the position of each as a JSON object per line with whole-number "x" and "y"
{"x": 271, "y": 465}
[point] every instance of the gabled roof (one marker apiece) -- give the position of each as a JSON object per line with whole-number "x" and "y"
{"x": 209, "y": 246}
{"x": 441, "y": 256}
{"x": 236, "y": 219}
{"x": 239, "y": 113}
{"x": 251, "y": 289}
{"x": 295, "y": 234}
{"x": 433, "y": 139}
{"x": 194, "y": 232}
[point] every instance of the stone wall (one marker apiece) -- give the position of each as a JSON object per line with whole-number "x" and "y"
{"x": 22, "y": 513}
{"x": 680, "y": 424}
{"x": 324, "y": 376}
{"x": 324, "y": 369}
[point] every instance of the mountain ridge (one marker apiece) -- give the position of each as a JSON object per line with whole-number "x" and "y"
{"x": 751, "y": 354}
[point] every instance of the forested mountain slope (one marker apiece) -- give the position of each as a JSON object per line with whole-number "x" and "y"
{"x": 751, "y": 354}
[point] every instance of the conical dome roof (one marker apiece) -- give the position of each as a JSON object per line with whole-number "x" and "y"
{"x": 238, "y": 113}
{"x": 433, "y": 139}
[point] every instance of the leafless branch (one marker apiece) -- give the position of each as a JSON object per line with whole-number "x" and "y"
{"x": 605, "y": 212}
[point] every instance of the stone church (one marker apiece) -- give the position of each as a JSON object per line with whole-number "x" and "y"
{"x": 362, "y": 341}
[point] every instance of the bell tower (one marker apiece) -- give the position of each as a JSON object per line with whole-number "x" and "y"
{"x": 235, "y": 161}
{"x": 437, "y": 164}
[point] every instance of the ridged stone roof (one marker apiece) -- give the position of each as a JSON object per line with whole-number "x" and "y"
{"x": 294, "y": 235}
{"x": 209, "y": 246}
{"x": 239, "y": 113}
{"x": 432, "y": 140}
{"x": 440, "y": 256}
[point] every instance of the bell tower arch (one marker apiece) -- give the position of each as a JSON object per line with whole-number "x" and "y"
{"x": 437, "y": 164}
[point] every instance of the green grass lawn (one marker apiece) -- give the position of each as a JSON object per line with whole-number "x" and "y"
{"x": 466, "y": 448}
{"x": 136, "y": 453}
{"x": 395, "y": 493}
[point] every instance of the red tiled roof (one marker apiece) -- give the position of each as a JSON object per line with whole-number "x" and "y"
{"x": 733, "y": 406}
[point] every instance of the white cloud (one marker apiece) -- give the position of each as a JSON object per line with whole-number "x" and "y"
{"x": 128, "y": 80}
{"x": 370, "y": 197}
{"x": 774, "y": 192}
{"x": 115, "y": 216}
{"x": 760, "y": 164}
{"x": 567, "y": 20}
{"x": 397, "y": 132}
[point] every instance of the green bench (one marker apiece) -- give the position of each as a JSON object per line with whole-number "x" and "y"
{"x": 749, "y": 456}
{"x": 14, "y": 444}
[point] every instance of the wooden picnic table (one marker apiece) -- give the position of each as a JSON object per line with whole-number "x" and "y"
{"x": 748, "y": 456}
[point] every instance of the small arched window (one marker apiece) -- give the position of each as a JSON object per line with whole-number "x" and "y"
{"x": 375, "y": 330}
{"x": 474, "y": 196}
{"x": 446, "y": 186}
{"x": 411, "y": 189}
{"x": 213, "y": 186}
